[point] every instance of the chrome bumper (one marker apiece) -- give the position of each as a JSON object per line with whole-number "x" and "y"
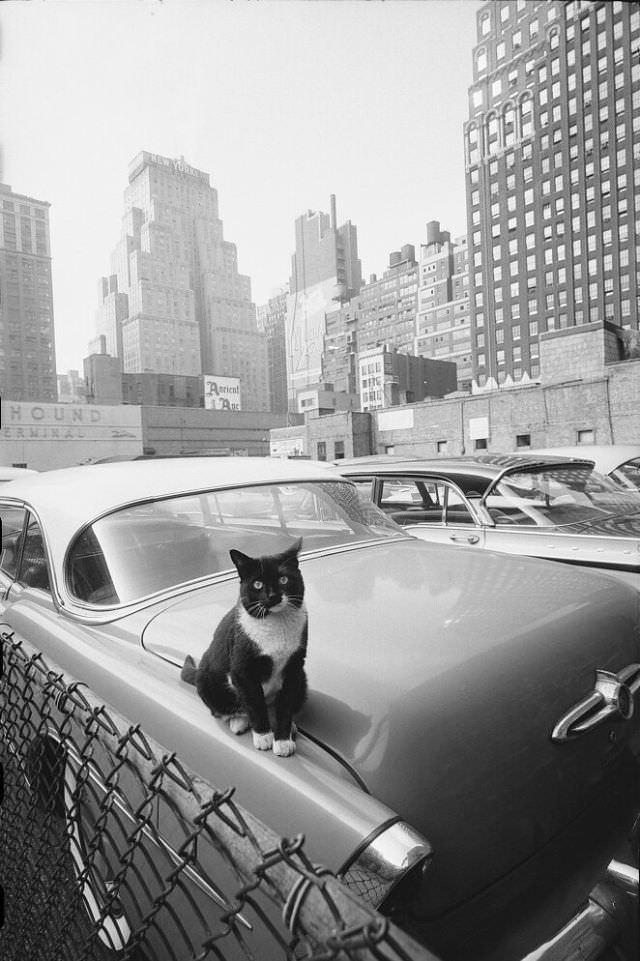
{"x": 597, "y": 926}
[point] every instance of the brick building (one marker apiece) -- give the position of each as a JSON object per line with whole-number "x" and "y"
{"x": 552, "y": 177}
{"x": 589, "y": 392}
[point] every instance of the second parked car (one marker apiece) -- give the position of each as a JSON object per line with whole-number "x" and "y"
{"x": 539, "y": 505}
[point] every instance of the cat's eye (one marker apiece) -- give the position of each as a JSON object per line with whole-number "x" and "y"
{"x": 258, "y": 585}
{"x": 283, "y": 580}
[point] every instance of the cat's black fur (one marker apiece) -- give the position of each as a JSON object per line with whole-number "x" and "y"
{"x": 252, "y": 674}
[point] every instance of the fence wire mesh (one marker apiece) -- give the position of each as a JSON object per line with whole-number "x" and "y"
{"x": 111, "y": 849}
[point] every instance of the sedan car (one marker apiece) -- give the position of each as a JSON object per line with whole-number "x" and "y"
{"x": 543, "y": 506}
{"x": 467, "y": 759}
{"x": 620, "y": 462}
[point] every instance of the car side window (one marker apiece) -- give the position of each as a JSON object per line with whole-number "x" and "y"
{"x": 411, "y": 500}
{"x": 34, "y": 571}
{"x": 12, "y": 519}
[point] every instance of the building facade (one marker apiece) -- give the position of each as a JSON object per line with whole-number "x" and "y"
{"x": 72, "y": 388}
{"x": 27, "y": 340}
{"x": 389, "y": 378}
{"x": 381, "y": 314}
{"x": 552, "y": 177}
{"x": 175, "y": 302}
{"x": 443, "y": 324}
{"x": 325, "y": 270}
{"x": 272, "y": 321}
{"x": 589, "y": 393}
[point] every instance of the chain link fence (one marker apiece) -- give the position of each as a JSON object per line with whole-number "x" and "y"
{"x": 111, "y": 849}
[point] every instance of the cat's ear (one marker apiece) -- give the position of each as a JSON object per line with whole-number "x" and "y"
{"x": 241, "y": 561}
{"x": 294, "y": 550}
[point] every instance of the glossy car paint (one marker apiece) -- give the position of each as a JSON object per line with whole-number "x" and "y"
{"x": 408, "y": 661}
{"x": 611, "y": 546}
{"x": 436, "y": 678}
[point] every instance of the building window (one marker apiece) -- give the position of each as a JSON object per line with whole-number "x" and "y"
{"x": 338, "y": 450}
{"x": 523, "y": 440}
{"x": 322, "y": 450}
{"x": 441, "y": 446}
{"x": 480, "y": 443}
{"x": 586, "y": 436}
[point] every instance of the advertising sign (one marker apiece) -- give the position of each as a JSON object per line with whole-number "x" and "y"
{"x": 221, "y": 393}
{"x": 45, "y": 436}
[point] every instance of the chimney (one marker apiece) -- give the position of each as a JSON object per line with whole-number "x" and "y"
{"x": 334, "y": 218}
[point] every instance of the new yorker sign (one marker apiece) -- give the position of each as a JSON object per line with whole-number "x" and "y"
{"x": 176, "y": 166}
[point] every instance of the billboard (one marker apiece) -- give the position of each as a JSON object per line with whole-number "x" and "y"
{"x": 221, "y": 393}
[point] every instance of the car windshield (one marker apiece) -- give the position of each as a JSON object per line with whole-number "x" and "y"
{"x": 154, "y": 546}
{"x": 628, "y": 474}
{"x": 554, "y": 496}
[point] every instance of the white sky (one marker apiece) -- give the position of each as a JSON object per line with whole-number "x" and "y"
{"x": 282, "y": 102}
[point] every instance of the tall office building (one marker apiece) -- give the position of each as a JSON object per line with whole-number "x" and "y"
{"x": 382, "y": 314}
{"x": 553, "y": 177}
{"x": 325, "y": 271}
{"x": 175, "y": 302}
{"x": 388, "y": 304}
{"x": 443, "y": 318}
{"x": 272, "y": 321}
{"x": 27, "y": 341}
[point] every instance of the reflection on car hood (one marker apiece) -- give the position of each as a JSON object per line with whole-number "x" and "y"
{"x": 439, "y": 674}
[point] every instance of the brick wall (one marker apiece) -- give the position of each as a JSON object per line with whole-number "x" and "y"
{"x": 551, "y": 414}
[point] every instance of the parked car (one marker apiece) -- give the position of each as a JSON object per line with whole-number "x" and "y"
{"x": 467, "y": 758}
{"x": 551, "y": 507}
{"x": 620, "y": 462}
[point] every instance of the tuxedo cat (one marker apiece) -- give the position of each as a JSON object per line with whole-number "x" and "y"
{"x": 252, "y": 673}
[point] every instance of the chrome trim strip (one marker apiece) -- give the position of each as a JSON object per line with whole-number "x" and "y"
{"x": 625, "y": 876}
{"x": 587, "y": 935}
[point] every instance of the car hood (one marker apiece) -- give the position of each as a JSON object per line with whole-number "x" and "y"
{"x": 438, "y": 674}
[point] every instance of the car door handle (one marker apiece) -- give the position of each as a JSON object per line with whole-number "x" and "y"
{"x": 464, "y": 538}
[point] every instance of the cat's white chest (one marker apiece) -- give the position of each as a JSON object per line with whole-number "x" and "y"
{"x": 278, "y": 636}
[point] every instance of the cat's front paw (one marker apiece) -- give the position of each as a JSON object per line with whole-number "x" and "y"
{"x": 263, "y": 742}
{"x": 284, "y": 748}
{"x": 238, "y": 723}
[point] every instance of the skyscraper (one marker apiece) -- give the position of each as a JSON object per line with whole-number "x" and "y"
{"x": 175, "y": 301}
{"x": 442, "y": 322}
{"x": 325, "y": 271}
{"x": 552, "y": 176}
{"x": 272, "y": 321}
{"x": 27, "y": 341}
{"x": 381, "y": 314}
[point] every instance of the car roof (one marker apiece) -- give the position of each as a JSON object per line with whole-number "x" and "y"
{"x": 487, "y": 465}
{"x": 13, "y": 473}
{"x": 604, "y": 456}
{"x": 71, "y": 497}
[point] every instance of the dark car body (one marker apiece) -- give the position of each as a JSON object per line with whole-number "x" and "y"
{"x": 451, "y": 692}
